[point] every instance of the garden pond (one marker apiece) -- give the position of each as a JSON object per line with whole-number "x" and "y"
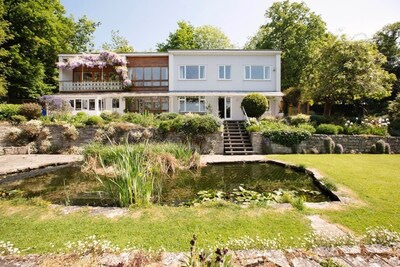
{"x": 70, "y": 186}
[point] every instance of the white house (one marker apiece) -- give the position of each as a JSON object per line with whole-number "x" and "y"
{"x": 197, "y": 81}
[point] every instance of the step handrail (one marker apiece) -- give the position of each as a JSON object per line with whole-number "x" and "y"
{"x": 245, "y": 115}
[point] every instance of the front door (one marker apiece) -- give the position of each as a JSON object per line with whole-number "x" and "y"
{"x": 224, "y": 107}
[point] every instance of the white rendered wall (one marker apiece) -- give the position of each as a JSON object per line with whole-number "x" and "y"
{"x": 211, "y": 82}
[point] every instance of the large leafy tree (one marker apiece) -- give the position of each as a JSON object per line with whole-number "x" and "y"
{"x": 82, "y": 38}
{"x": 3, "y": 37}
{"x": 343, "y": 71}
{"x": 294, "y": 29}
{"x": 118, "y": 44}
{"x": 39, "y": 30}
{"x": 388, "y": 42}
{"x": 189, "y": 37}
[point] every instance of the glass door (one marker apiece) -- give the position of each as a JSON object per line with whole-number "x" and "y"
{"x": 224, "y": 107}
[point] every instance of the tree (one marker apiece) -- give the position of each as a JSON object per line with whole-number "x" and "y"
{"x": 189, "y": 37}
{"x": 3, "y": 37}
{"x": 39, "y": 31}
{"x": 82, "y": 40}
{"x": 254, "y": 104}
{"x": 294, "y": 29}
{"x": 388, "y": 43}
{"x": 209, "y": 37}
{"x": 119, "y": 44}
{"x": 345, "y": 71}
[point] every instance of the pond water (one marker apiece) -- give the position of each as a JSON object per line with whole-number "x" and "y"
{"x": 72, "y": 187}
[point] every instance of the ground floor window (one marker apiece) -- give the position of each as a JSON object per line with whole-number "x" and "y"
{"x": 115, "y": 103}
{"x": 192, "y": 104}
{"x": 152, "y": 104}
{"x": 83, "y": 104}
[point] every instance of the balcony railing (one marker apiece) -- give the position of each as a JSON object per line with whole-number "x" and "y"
{"x": 90, "y": 86}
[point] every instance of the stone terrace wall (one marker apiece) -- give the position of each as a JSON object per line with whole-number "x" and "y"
{"x": 213, "y": 143}
{"x": 350, "y": 143}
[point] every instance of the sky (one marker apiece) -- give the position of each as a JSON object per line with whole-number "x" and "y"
{"x": 148, "y": 22}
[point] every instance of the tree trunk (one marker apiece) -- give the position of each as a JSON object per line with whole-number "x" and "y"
{"x": 327, "y": 109}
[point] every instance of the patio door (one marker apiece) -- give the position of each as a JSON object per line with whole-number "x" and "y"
{"x": 225, "y": 107}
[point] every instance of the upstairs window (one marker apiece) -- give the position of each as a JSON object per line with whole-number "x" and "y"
{"x": 257, "y": 73}
{"x": 224, "y": 72}
{"x": 149, "y": 76}
{"x": 195, "y": 72}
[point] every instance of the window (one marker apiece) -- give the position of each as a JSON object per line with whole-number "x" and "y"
{"x": 224, "y": 72}
{"x": 101, "y": 104}
{"x": 72, "y": 103}
{"x": 149, "y": 76}
{"x": 153, "y": 104}
{"x": 115, "y": 103}
{"x": 192, "y": 104}
{"x": 78, "y": 104}
{"x": 197, "y": 72}
{"x": 92, "y": 104}
{"x": 257, "y": 73}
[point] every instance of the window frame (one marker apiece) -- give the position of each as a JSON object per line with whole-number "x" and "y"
{"x": 184, "y": 76}
{"x": 201, "y": 103}
{"x": 266, "y": 70}
{"x": 224, "y": 78}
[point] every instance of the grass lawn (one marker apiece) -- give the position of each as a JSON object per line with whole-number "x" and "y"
{"x": 375, "y": 179}
{"x": 156, "y": 227}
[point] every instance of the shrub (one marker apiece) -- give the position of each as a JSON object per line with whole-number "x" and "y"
{"x": 80, "y": 118}
{"x": 94, "y": 120}
{"x": 31, "y": 111}
{"x": 31, "y": 130}
{"x": 110, "y": 116}
{"x": 193, "y": 125}
{"x": 145, "y": 120}
{"x": 329, "y": 145}
{"x": 307, "y": 127}
{"x": 253, "y": 128}
{"x": 8, "y": 110}
{"x": 319, "y": 119}
{"x": 298, "y": 119}
{"x": 373, "y": 149}
{"x": 394, "y": 108}
{"x": 166, "y": 116}
{"x": 255, "y": 104}
{"x": 328, "y": 129}
{"x": 394, "y": 127}
{"x": 387, "y": 148}
{"x": 55, "y": 105}
{"x": 289, "y": 137}
{"x": 18, "y": 119}
{"x": 338, "y": 149}
{"x": 70, "y": 132}
{"x": 380, "y": 147}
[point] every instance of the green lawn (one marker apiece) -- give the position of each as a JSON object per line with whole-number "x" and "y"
{"x": 375, "y": 179}
{"x": 156, "y": 227}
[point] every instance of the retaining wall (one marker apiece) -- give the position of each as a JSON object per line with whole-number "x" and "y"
{"x": 350, "y": 143}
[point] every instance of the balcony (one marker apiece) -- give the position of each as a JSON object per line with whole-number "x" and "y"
{"x": 90, "y": 86}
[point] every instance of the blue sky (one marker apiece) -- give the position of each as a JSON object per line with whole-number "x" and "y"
{"x": 147, "y": 22}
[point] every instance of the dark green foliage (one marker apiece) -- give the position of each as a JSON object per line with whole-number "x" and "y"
{"x": 8, "y": 110}
{"x": 319, "y": 119}
{"x": 196, "y": 125}
{"x": 18, "y": 119}
{"x": 31, "y": 111}
{"x": 255, "y": 104}
{"x": 289, "y": 137}
{"x": 338, "y": 149}
{"x": 373, "y": 149}
{"x": 394, "y": 128}
{"x": 329, "y": 145}
{"x": 329, "y": 129}
{"x": 387, "y": 148}
{"x": 380, "y": 147}
{"x": 95, "y": 120}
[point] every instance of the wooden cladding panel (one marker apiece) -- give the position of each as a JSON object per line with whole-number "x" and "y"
{"x": 148, "y": 61}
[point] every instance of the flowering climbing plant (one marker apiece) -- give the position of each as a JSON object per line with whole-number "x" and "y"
{"x": 100, "y": 61}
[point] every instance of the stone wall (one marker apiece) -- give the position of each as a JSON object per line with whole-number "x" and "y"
{"x": 350, "y": 143}
{"x": 212, "y": 143}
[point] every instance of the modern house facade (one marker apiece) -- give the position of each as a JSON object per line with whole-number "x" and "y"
{"x": 181, "y": 81}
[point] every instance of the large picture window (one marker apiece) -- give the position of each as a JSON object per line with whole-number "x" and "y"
{"x": 257, "y": 73}
{"x": 192, "y": 104}
{"x": 195, "y": 72}
{"x": 149, "y": 76}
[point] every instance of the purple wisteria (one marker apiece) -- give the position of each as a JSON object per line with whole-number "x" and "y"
{"x": 55, "y": 104}
{"x": 100, "y": 61}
